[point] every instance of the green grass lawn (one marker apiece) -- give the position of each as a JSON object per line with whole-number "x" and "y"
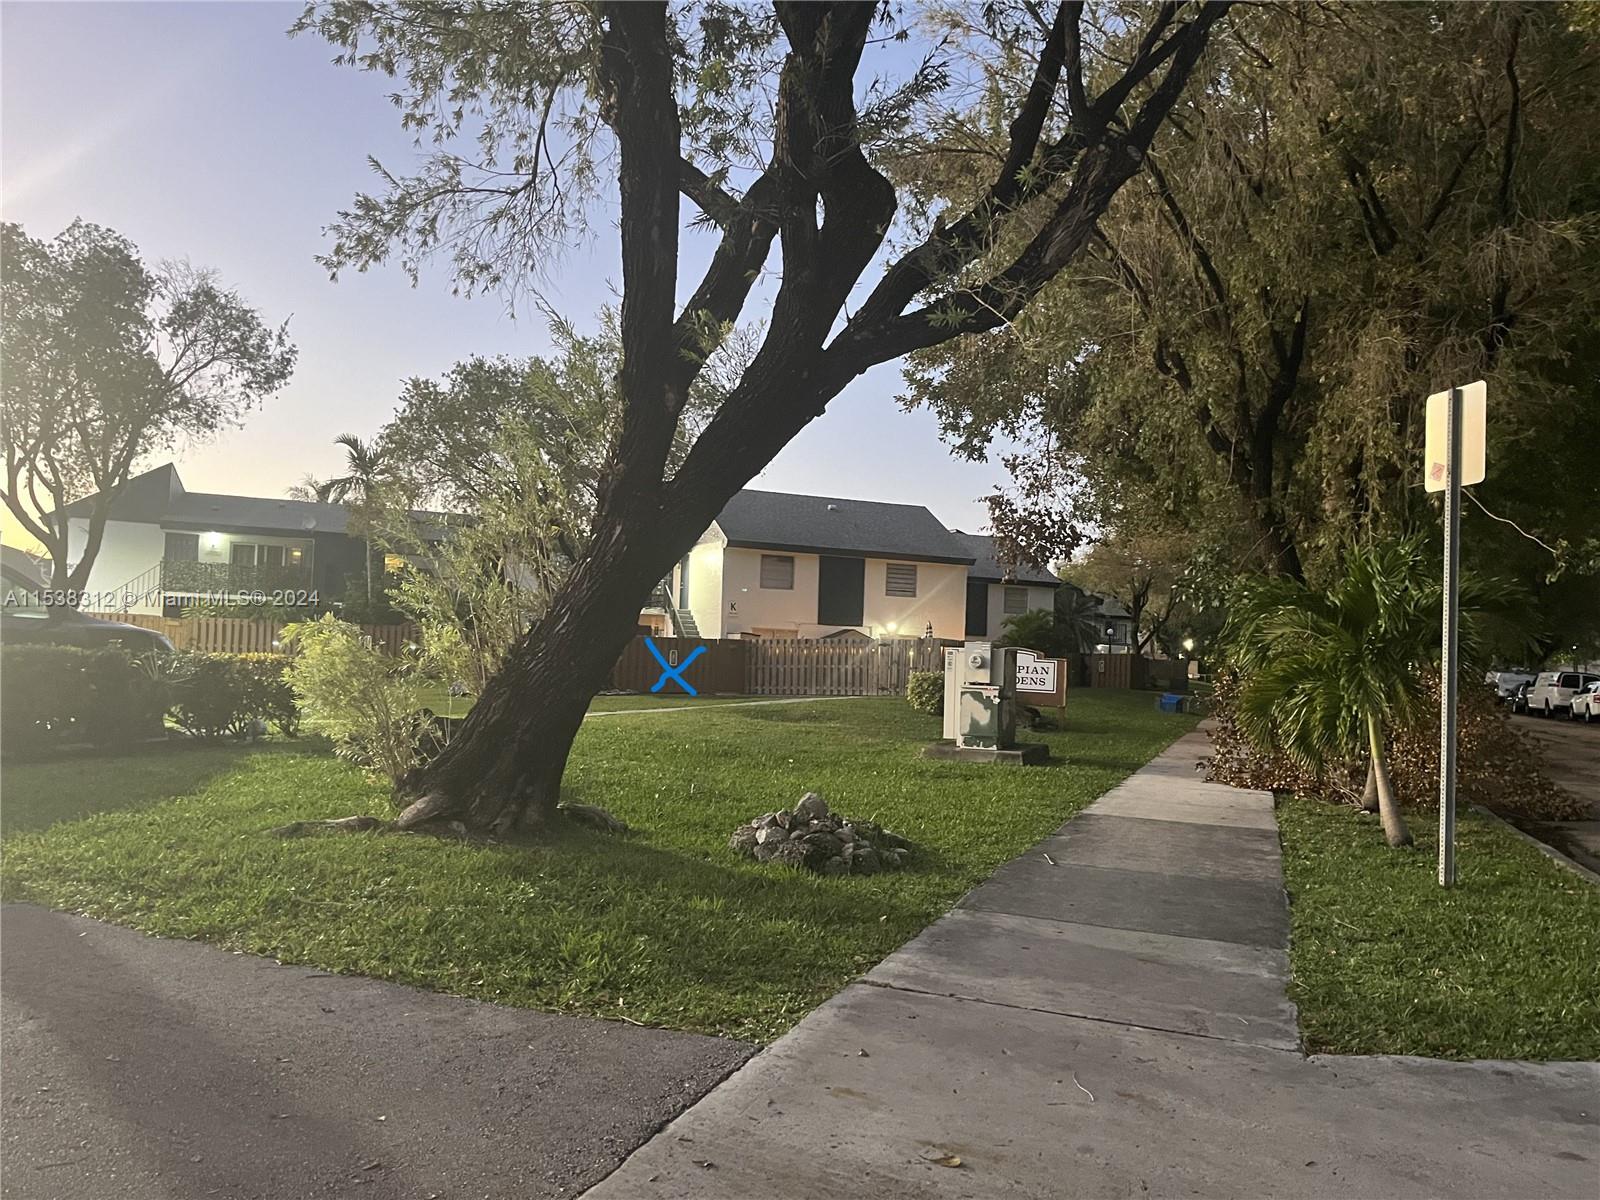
{"x": 665, "y": 927}
{"x": 1504, "y": 965}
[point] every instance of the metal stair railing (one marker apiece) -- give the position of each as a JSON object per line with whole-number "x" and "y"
{"x": 143, "y": 585}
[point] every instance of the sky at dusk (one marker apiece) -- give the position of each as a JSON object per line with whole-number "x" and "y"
{"x": 202, "y": 131}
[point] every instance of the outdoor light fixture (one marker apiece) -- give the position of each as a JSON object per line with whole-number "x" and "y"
{"x": 1188, "y": 643}
{"x": 891, "y": 627}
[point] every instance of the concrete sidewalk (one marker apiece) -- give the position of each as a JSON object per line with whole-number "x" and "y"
{"x": 1106, "y": 1016}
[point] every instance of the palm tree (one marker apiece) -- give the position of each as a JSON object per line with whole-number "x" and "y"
{"x": 364, "y": 471}
{"x": 1078, "y": 617}
{"x": 1325, "y": 674}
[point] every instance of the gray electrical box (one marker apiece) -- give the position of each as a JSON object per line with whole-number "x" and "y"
{"x": 982, "y": 683}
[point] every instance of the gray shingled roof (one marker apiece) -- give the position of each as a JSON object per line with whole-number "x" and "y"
{"x": 159, "y": 497}
{"x": 833, "y": 525}
{"x": 987, "y": 566}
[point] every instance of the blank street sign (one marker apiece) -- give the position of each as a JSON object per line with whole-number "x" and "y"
{"x": 1474, "y": 406}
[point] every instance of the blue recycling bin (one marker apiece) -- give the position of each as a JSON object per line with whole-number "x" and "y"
{"x": 1170, "y": 702}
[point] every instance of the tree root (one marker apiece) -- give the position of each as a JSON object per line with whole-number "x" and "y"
{"x": 431, "y": 823}
{"x": 593, "y": 816}
{"x": 358, "y": 824}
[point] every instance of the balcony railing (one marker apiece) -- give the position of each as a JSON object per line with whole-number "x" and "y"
{"x": 201, "y": 578}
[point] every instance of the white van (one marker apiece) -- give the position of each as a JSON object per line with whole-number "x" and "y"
{"x": 1553, "y": 691}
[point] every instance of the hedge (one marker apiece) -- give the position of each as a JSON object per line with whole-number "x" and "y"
{"x": 60, "y": 695}
{"x": 65, "y": 695}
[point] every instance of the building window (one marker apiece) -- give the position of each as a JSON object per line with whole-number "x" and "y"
{"x": 777, "y": 572}
{"x": 900, "y": 579}
{"x": 182, "y": 547}
{"x": 242, "y": 554}
{"x": 271, "y": 556}
{"x": 1016, "y": 601}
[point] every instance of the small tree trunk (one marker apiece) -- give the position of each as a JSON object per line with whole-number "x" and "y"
{"x": 1369, "y": 793}
{"x": 1394, "y": 825}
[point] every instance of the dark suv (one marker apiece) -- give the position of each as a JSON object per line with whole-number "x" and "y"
{"x": 25, "y": 618}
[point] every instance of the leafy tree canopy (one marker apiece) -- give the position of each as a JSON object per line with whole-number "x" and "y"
{"x": 1364, "y": 204}
{"x": 107, "y": 361}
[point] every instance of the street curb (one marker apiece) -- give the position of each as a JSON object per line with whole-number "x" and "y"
{"x": 1550, "y": 852}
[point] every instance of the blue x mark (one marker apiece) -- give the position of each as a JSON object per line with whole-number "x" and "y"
{"x": 668, "y": 671}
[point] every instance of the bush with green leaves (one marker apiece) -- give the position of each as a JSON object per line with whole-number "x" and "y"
{"x": 369, "y": 703}
{"x": 224, "y": 695}
{"x": 268, "y": 694}
{"x": 925, "y": 692}
{"x": 61, "y": 695}
{"x": 209, "y": 693}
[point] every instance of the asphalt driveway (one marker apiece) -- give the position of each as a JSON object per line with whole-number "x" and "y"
{"x": 136, "y": 1067}
{"x": 1571, "y": 754}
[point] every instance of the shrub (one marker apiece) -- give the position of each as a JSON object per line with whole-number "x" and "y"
{"x": 369, "y": 703}
{"x": 224, "y": 695}
{"x": 1497, "y": 765}
{"x": 268, "y": 694}
{"x": 925, "y": 692}
{"x": 210, "y": 694}
{"x": 56, "y": 695}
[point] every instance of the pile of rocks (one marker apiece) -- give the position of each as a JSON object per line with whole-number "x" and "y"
{"x": 812, "y": 837}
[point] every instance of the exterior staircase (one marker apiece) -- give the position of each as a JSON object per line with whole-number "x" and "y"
{"x": 681, "y": 620}
{"x": 143, "y": 588}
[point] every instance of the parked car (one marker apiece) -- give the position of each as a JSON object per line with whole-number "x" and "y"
{"x": 1552, "y": 691}
{"x": 1586, "y": 704}
{"x": 1506, "y": 683}
{"x": 1519, "y": 698}
{"x": 25, "y": 618}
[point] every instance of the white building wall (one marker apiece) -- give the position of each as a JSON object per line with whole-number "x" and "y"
{"x": 1038, "y": 597}
{"x": 941, "y": 599}
{"x": 127, "y": 551}
{"x": 705, "y": 588}
{"x": 131, "y": 548}
{"x": 748, "y": 607}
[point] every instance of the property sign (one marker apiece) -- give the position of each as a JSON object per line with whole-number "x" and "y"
{"x": 1041, "y": 681}
{"x": 1436, "y": 449}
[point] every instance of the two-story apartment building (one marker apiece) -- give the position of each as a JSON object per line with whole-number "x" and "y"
{"x": 165, "y": 547}
{"x": 777, "y": 564}
{"x": 773, "y": 564}
{"x": 997, "y": 591}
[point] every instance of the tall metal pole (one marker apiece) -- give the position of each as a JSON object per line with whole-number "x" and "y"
{"x": 1452, "y": 614}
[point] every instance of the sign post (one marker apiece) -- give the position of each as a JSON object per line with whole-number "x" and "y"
{"x": 1455, "y": 457}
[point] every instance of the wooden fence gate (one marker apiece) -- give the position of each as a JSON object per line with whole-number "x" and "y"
{"x": 720, "y": 669}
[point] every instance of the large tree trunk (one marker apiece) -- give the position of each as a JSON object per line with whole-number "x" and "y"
{"x": 1394, "y": 825}
{"x": 502, "y": 773}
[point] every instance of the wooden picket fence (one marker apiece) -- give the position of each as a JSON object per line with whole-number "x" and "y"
{"x": 247, "y": 635}
{"x": 798, "y": 667}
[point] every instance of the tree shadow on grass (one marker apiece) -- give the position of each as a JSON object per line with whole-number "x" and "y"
{"x": 42, "y": 793}
{"x": 735, "y": 917}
